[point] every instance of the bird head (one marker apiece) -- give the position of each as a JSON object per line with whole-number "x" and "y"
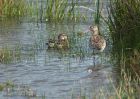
{"x": 94, "y": 29}
{"x": 62, "y": 37}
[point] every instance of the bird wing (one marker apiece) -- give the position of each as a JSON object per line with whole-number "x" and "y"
{"x": 97, "y": 41}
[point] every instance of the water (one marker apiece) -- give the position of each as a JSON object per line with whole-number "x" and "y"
{"x": 52, "y": 73}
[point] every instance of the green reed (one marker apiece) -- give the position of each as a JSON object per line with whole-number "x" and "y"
{"x": 97, "y": 15}
{"x": 12, "y": 8}
{"x": 5, "y": 55}
{"x": 124, "y": 25}
{"x": 13, "y": 55}
{"x": 127, "y": 87}
{"x": 55, "y": 10}
{"x": 61, "y": 10}
{"x": 7, "y": 84}
{"x": 123, "y": 22}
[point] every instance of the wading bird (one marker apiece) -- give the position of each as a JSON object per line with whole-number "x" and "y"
{"x": 96, "y": 42}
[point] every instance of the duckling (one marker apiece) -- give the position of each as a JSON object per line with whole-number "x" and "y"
{"x": 59, "y": 45}
{"x": 63, "y": 42}
{"x": 62, "y": 37}
{"x": 51, "y": 44}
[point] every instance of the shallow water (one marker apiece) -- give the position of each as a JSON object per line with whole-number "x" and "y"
{"x": 57, "y": 75}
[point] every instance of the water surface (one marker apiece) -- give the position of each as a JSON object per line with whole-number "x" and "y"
{"x": 55, "y": 74}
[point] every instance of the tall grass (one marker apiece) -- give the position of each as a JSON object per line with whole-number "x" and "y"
{"x": 61, "y": 10}
{"x": 97, "y": 15}
{"x": 10, "y": 8}
{"x": 6, "y": 55}
{"x": 56, "y": 10}
{"x": 124, "y": 26}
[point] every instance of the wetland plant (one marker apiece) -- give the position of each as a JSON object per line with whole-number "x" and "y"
{"x": 5, "y": 55}
{"x": 55, "y": 10}
{"x": 60, "y": 10}
{"x": 8, "y": 55}
{"x": 7, "y": 84}
{"x": 123, "y": 22}
{"x": 12, "y": 8}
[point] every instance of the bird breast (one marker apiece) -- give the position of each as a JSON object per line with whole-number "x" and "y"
{"x": 97, "y": 42}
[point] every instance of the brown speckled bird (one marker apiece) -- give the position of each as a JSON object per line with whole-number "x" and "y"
{"x": 63, "y": 42}
{"x": 96, "y": 42}
{"x": 62, "y": 37}
{"x": 51, "y": 44}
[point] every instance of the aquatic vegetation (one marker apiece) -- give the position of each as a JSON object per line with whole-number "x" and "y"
{"x": 1, "y": 87}
{"x": 12, "y": 8}
{"x": 61, "y": 10}
{"x": 55, "y": 10}
{"x": 127, "y": 87}
{"x": 98, "y": 12}
{"x": 11, "y": 89}
{"x": 123, "y": 22}
{"x": 5, "y": 85}
{"x": 80, "y": 34}
{"x": 5, "y": 55}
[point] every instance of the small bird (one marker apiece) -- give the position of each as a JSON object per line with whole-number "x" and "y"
{"x": 51, "y": 44}
{"x": 62, "y": 37}
{"x": 96, "y": 41}
{"x": 63, "y": 42}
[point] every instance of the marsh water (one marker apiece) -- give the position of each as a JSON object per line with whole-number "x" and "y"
{"x": 51, "y": 73}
